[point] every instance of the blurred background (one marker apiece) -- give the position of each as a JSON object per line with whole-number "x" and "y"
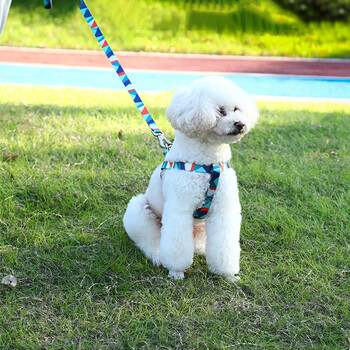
{"x": 292, "y": 28}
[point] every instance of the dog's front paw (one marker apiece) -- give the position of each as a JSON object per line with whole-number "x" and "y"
{"x": 156, "y": 261}
{"x": 232, "y": 278}
{"x": 176, "y": 275}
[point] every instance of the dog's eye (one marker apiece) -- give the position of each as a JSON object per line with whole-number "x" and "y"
{"x": 236, "y": 109}
{"x": 222, "y": 111}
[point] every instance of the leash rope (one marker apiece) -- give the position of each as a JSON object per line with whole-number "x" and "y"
{"x": 214, "y": 170}
{"x": 163, "y": 142}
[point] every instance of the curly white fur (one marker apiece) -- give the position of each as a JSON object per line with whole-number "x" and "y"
{"x": 207, "y": 116}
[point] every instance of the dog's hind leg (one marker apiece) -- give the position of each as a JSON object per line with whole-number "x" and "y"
{"x": 143, "y": 227}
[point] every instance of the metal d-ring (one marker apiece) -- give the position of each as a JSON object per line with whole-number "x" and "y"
{"x": 163, "y": 141}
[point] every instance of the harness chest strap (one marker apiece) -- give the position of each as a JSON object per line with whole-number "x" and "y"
{"x": 214, "y": 170}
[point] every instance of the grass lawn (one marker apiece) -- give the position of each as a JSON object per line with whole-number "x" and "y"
{"x": 83, "y": 153}
{"x": 257, "y": 27}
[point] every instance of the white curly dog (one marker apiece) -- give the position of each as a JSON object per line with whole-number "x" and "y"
{"x": 208, "y": 115}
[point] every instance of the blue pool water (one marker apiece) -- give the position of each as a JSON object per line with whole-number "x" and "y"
{"x": 255, "y": 84}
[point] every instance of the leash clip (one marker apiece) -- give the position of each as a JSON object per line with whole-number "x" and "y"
{"x": 163, "y": 141}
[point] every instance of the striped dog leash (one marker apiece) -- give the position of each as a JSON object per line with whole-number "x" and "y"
{"x": 163, "y": 142}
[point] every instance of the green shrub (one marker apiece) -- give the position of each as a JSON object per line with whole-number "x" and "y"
{"x": 319, "y": 10}
{"x": 239, "y": 20}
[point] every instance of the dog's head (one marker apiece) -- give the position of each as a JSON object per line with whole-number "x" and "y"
{"x": 214, "y": 108}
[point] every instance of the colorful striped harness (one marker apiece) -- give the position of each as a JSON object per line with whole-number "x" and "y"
{"x": 214, "y": 170}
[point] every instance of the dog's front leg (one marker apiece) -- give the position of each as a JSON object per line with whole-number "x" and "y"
{"x": 223, "y": 249}
{"x": 176, "y": 242}
{"x": 223, "y": 228}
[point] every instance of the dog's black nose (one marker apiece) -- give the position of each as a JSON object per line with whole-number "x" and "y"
{"x": 239, "y": 125}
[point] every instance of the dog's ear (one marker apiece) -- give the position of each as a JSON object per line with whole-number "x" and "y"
{"x": 192, "y": 112}
{"x": 251, "y": 111}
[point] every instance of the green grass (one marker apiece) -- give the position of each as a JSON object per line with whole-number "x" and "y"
{"x": 255, "y": 28}
{"x": 83, "y": 285}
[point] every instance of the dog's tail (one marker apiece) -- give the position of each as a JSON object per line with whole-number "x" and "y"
{"x": 143, "y": 226}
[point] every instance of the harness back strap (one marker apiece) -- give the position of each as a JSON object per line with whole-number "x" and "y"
{"x": 214, "y": 170}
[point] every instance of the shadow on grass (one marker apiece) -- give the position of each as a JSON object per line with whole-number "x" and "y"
{"x": 62, "y": 237}
{"x": 61, "y": 233}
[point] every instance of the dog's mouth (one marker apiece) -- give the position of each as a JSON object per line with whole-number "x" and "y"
{"x": 236, "y": 132}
